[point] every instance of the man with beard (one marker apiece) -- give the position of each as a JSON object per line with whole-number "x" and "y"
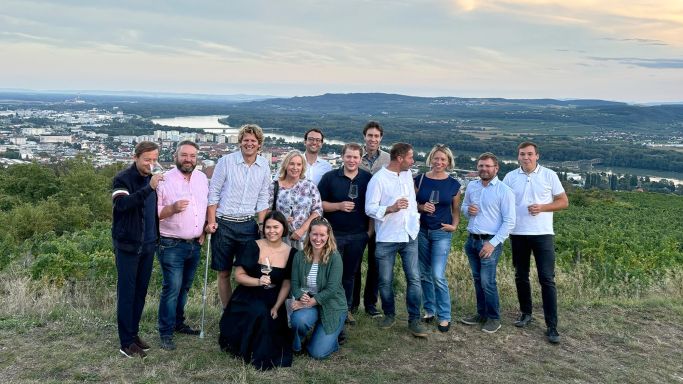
{"x": 238, "y": 191}
{"x": 490, "y": 207}
{"x": 538, "y": 193}
{"x": 181, "y": 202}
{"x": 390, "y": 201}
{"x": 134, "y": 233}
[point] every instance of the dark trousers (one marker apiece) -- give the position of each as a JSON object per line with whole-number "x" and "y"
{"x": 351, "y": 249}
{"x": 543, "y": 249}
{"x": 371, "y": 291}
{"x": 134, "y": 270}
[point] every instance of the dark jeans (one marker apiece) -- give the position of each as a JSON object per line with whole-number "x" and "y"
{"x": 178, "y": 260}
{"x": 133, "y": 272}
{"x": 484, "y": 276}
{"x": 229, "y": 240}
{"x": 371, "y": 291}
{"x": 543, "y": 248}
{"x": 351, "y": 248}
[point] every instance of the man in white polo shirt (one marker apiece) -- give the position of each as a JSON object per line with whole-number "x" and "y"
{"x": 538, "y": 193}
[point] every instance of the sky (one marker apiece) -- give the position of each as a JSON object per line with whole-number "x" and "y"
{"x": 605, "y": 49}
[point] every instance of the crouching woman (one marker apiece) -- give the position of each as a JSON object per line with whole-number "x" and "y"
{"x": 320, "y": 303}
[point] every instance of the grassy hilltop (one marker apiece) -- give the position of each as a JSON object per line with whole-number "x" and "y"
{"x": 620, "y": 287}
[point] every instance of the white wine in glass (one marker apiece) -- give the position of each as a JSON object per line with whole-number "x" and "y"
{"x": 266, "y": 269}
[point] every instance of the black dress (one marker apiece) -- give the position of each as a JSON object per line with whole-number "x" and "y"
{"x": 247, "y": 329}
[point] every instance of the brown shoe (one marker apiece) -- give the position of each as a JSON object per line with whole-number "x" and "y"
{"x": 141, "y": 343}
{"x": 133, "y": 350}
{"x": 350, "y": 319}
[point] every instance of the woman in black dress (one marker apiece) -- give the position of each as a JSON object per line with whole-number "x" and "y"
{"x": 254, "y": 324}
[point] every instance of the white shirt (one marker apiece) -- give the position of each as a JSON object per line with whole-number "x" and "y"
{"x": 496, "y": 214}
{"x": 538, "y": 187}
{"x": 384, "y": 189}
{"x": 239, "y": 189}
{"x": 315, "y": 171}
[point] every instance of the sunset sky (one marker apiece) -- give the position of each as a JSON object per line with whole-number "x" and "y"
{"x": 615, "y": 50}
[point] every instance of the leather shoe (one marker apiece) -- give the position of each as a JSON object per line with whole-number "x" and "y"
{"x": 444, "y": 328}
{"x": 186, "y": 329}
{"x": 523, "y": 320}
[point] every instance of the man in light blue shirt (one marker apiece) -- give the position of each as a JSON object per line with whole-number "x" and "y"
{"x": 490, "y": 207}
{"x": 238, "y": 191}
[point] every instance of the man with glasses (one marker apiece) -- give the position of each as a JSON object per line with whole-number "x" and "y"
{"x": 316, "y": 167}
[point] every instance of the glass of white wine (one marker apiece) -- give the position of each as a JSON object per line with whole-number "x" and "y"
{"x": 266, "y": 269}
{"x": 434, "y": 199}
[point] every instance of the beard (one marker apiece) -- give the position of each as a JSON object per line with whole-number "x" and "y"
{"x": 186, "y": 167}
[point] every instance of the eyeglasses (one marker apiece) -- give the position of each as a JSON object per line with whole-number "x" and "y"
{"x": 314, "y": 140}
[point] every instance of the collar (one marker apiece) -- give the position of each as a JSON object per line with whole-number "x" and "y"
{"x": 536, "y": 170}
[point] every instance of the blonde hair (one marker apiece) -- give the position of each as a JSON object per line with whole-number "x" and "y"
{"x": 329, "y": 247}
{"x": 253, "y": 129}
{"x": 285, "y": 163}
{"x": 446, "y": 151}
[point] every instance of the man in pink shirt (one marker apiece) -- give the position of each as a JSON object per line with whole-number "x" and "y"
{"x": 181, "y": 201}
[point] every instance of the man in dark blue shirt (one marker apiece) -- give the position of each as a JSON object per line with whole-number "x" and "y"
{"x": 342, "y": 191}
{"x": 135, "y": 233}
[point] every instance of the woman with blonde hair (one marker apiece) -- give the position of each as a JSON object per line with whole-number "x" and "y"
{"x": 320, "y": 303}
{"x": 438, "y": 200}
{"x": 296, "y": 197}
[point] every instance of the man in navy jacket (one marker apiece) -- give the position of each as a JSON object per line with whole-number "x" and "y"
{"x": 135, "y": 233}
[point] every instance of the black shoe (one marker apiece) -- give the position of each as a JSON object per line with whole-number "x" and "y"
{"x": 141, "y": 343}
{"x": 444, "y": 328}
{"x": 473, "y": 320}
{"x": 373, "y": 312}
{"x": 523, "y": 320}
{"x": 428, "y": 319}
{"x": 553, "y": 336}
{"x": 166, "y": 342}
{"x": 186, "y": 329}
{"x": 354, "y": 310}
{"x": 133, "y": 350}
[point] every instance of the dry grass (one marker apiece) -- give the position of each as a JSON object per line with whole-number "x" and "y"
{"x": 69, "y": 334}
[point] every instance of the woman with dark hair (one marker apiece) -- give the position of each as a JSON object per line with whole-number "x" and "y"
{"x": 320, "y": 303}
{"x": 254, "y": 324}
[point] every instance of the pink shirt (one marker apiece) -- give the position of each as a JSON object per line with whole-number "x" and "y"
{"x": 188, "y": 224}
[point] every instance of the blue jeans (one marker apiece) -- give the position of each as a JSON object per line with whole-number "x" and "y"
{"x": 351, "y": 248}
{"x": 320, "y": 345}
{"x": 434, "y": 246}
{"x": 484, "y": 276}
{"x": 386, "y": 257}
{"x": 178, "y": 260}
{"x": 133, "y": 272}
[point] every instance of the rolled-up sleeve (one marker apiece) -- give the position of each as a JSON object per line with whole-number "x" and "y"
{"x": 264, "y": 192}
{"x": 372, "y": 200}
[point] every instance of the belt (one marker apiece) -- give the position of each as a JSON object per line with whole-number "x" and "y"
{"x": 189, "y": 241}
{"x": 481, "y": 236}
{"x": 236, "y": 219}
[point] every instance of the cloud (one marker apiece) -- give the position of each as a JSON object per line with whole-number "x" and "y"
{"x": 643, "y": 62}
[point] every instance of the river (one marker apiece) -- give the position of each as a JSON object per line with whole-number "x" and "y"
{"x": 211, "y": 124}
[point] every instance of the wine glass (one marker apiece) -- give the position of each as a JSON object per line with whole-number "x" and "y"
{"x": 266, "y": 269}
{"x": 310, "y": 291}
{"x": 156, "y": 168}
{"x": 434, "y": 199}
{"x": 353, "y": 193}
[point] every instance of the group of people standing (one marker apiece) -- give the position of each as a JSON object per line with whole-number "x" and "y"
{"x": 296, "y": 241}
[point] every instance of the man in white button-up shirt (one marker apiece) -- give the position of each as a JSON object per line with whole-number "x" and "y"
{"x": 538, "y": 193}
{"x": 390, "y": 201}
{"x": 316, "y": 167}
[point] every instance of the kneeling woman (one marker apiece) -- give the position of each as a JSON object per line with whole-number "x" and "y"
{"x": 254, "y": 324}
{"x": 316, "y": 285}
